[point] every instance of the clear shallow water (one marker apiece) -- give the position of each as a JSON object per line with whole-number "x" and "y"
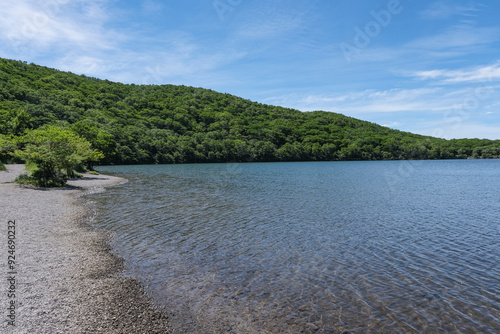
{"x": 389, "y": 247}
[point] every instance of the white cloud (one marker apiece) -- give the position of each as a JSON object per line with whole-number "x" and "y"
{"x": 392, "y": 124}
{"x": 454, "y": 42}
{"x": 75, "y": 36}
{"x": 267, "y": 21}
{"x": 371, "y": 101}
{"x": 463, "y": 36}
{"x": 483, "y": 74}
{"x": 461, "y": 130}
{"x": 269, "y": 29}
{"x": 31, "y": 28}
{"x": 443, "y": 10}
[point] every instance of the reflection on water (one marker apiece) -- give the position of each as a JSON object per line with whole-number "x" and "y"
{"x": 313, "y": 247}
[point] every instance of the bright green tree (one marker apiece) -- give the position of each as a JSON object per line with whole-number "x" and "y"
{"x": 7, "y": 145}
{"x": 14, "y": 122}
{"x": 56, "y": 152}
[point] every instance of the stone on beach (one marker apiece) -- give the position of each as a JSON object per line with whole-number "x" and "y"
{"x": 67, "y": 280}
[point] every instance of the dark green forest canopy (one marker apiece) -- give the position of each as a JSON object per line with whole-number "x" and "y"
{"x": 134, "y": 124}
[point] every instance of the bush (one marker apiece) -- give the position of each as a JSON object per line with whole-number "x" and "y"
{"x": 24, "y": 179}
{"x": 53, "y": 153}
{"x": 30, "y": 166}
{"x": 41, "y": 178}
{"x": 35, "y": 180}
{"x": 93, "y": 172}
{"x": 2, "y": 167}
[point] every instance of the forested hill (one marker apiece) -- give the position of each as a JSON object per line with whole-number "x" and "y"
{"x": 134, "y": 124}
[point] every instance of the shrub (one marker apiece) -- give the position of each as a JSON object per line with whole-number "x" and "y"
{"x": 30, "y": 166}
{"x": 24, "y": 179}
{"x": 52, "y": 150}
{"x": 34, "y": 179}
{"x": 47, "y": 178}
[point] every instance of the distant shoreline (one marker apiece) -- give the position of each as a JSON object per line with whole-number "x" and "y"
{"x": 64, "y": 278}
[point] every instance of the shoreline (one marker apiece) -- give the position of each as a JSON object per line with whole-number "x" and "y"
{"x": 66, "y": 278}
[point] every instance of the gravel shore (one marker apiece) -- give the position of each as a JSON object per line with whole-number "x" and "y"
{"x": 66, "y": 279}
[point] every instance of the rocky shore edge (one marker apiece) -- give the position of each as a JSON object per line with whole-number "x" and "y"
{"x": 64, "y": 277}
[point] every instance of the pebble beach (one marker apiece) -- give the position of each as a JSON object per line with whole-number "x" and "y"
{"x": 64, "y": 278}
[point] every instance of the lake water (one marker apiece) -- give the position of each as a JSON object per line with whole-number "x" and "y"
{"x": 313, "y": 247}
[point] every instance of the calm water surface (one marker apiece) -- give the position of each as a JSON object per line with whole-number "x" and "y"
{"x": 382, "y": 247}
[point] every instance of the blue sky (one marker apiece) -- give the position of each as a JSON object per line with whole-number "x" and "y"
{"x": 429, "y": 67}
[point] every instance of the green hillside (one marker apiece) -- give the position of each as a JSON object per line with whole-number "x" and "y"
{"x": 134, "y": 124}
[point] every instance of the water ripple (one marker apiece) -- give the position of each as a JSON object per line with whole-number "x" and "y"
{"x": 313, "y": 247}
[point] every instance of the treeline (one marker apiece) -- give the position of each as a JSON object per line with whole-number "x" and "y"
{"x": 133, "y": 124}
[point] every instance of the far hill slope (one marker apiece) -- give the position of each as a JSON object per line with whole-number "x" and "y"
{"x": 179, "y": 124}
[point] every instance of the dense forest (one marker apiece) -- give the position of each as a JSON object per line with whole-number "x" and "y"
{"x": 135, "y": 124}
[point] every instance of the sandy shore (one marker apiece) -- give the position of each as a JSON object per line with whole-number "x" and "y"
{"x": 66, "y": 280}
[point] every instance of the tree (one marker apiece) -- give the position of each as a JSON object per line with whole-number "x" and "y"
{"x": 3, "y": 149}
{"x": 100, "y": 139}
{"x": 7, "y": 145}
{"x": 56, "y": 152}
{"x": 14, "y": 122}
{"x": 133, "y": 124}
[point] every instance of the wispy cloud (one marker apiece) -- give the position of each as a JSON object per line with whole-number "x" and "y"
{"x": 469, "y": 129}
{"x": 270, "y": 28}
{"x": 453, "y": 42}
{"x": 76, "y": 36}
{"x": 373, "y": 101}
{"x": 462, "y": 36}
{"x": 151, "y": 6}
{"x": 445, "y": 10}
{"x": 270, "y": 21}
{"x": 392, "y": 124}
{"x": 30, "y": 27}
{"x": 484, "y": 74}
{"x": 408, "y": 109}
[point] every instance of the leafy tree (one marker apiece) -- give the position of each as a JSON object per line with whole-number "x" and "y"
{"x": 134, "y": 124}
{"x": 3, "y": 149}
{"x": 56, "y": 152}
{"x": 14, "y": 122}
{"x": 7, "y": 145}
{"x": 100, "y": 139}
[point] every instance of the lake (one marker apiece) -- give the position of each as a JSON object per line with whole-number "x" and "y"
{"x": 313, "y": 247}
